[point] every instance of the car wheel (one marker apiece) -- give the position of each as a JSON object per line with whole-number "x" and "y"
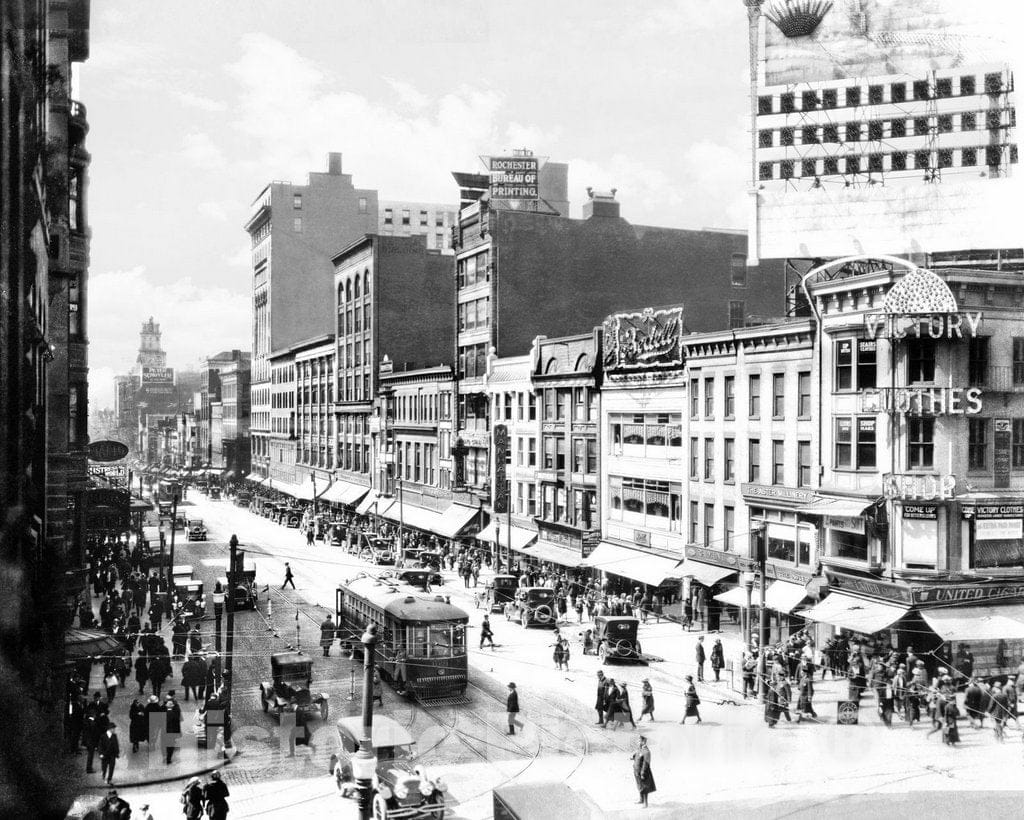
{"x": 380, "y": 808}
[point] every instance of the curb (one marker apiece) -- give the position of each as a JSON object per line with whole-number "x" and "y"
{"x": 159, "y": 780}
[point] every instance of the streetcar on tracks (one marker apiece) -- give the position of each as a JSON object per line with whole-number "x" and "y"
{"x": 421, "y": 639}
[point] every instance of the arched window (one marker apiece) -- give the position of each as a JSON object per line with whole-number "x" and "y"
{"x": 552, "y": 366}
{"x": 582, "y": 363}
{"x": 341, "y": 293}
{"x": 348, "y": 290}
{"x": 366, "y": 283}
{"x": 356, "y": 294}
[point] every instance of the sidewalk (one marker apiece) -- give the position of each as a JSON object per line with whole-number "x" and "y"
{"x": 147, "y": 766}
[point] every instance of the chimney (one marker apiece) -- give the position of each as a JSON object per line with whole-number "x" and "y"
{"x": 334, "y": 163}
{"x": 600, "y": 204}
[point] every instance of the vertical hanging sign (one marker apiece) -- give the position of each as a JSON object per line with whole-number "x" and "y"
{"x": 500, "y": 491}
{"x": 1001, "y": 445}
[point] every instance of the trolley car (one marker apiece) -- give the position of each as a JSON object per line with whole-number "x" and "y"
{"x": 421, "y": 640}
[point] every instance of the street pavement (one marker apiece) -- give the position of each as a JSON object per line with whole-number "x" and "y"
{"x": 732, "y": 762}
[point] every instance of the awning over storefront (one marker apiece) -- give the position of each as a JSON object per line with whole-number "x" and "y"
{"x": 455, "y": 519}
{"x": 306, "y": 490}
{"x": 520, "y": 536}
{"x": 554, "y": 553}
{"x": 784, "y": 596}
{"x": 343, "y": 492}
{"x": 857, "y": 614}
{"x": 88, "y": 643}
{"x": 706, "y": 574}
{"x": 259, "y": 480}
{"x": 838, "y": 507}
{"x": 737, "y": 596}
{"x": 977, "y": 623}
{"x": 366, "y": 506}
{"x": 287, "y": 488}
{"x": 410, "y": 515}
{"x": 640, "y": 566}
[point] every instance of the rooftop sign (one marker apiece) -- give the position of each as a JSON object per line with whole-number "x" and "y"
{"x": 653, "y": 338}
{"x": 514, "y": 177}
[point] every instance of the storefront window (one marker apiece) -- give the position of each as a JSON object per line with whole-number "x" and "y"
{"x": 849, "y": 545}
{"x": 645, "y": 502}
{"x": 998, "y": 540}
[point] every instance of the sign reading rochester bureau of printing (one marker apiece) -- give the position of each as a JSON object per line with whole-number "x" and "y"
{"x": 514, "y": 177}
{"x": 653, "y": 338}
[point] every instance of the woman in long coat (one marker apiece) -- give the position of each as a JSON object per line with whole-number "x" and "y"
{"x": 138, "y": 724}
{"x": 647, "y": 696}
{"x": 642, "y": 771}
{"x": 692, "y": 701}
{"x": 717, "y": 659}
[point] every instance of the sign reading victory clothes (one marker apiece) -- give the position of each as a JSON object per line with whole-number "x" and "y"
{"x": 514, "y": 177}
{"x": 653, "y": 338}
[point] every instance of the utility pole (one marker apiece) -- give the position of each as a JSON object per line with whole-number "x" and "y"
{"x": 170, "y": 569}
{"x": 229, "y": 660}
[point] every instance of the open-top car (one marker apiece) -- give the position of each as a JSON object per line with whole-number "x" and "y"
{"x": 289, "y": 690}
{"x": 196, "y": 530}
{"x": 401, "y": 787}
{"x": 432, "y": 561}
{"x": 616, "y": 638}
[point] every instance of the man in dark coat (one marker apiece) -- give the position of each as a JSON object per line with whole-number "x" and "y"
{"x": 216, "y": 794}
{"x": 156, "y": 612}
{"x": 700, "y": 658}
{"x": 642, "y": 771}
{"x": 327, "y": 633}
{"x": 512, "y": 708}
{"x": 602, "y": 701}
{"x": 193, "y": 676}
{"x": 159, "y": 671}
{"x": 110, "y": 751}
{"x": 173, "y": 713}
{"x": 94, "y": 725}
{"x": 179, "y": 637}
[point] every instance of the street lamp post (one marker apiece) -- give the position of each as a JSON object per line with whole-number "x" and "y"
{"x": 229, "y": 646}
{"x": 497, "y": 544}
{"x": 312, "y": 478}
{"x": 757, "y": 529}
{"x": 364, "y": 763}
{"x": 401, "y": 517}
{"x": 170, "y": 568}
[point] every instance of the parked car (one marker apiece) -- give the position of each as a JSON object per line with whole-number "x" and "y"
{"x": 401, "y": 787}
{"x": 289, "y": 689}
{"x": 215, "y": 493}
{"x": 189, "y": 599}
{"x": 292, "y": 518}
{"x": 196, "y": 530}
{"x": 616, "y": 638}
{"x": 500, "y": 591}
{"x": 243, "y": 498}
{"x": 432, "y": 561}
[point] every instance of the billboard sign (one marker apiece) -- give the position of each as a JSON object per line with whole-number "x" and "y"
{"x": 157, "y": 374}
{"x": 107, "y": 451}
{"x": 653, "y": 338}
{"x": 500, "y": 503}
{"x": 514, "y": 177}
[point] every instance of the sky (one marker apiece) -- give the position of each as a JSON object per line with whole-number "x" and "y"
{"x": 194, "y": 106}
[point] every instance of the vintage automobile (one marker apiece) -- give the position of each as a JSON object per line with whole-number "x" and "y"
{"x": 188, "y": 600}
{"x": 181, "y": 573}
{"x": 411, "y": 556}
{"x": 382, "y": 551}
{"x": 401, "y": 787}
{"x": 292, "y": 518}
{"x": 289, "y": 689}
{"x": 500, "y": 591}
{"x": 534, "y": 606}
{"x": 419, "y": 578}
{"x": 165, "y": 509}
{"x": 179, "y": 522}
{"x": 243, "y": 498}
{"x": 432, "y": 561}
{"x": 616, "y": 638}
{"x": 245, "y": 592}
{"x": 215, "y": 493}
{"x": 196, "y": 530}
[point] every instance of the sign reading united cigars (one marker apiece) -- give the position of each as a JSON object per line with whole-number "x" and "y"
{"x": 650, "y": 339}
{"x": 952, "y": 594}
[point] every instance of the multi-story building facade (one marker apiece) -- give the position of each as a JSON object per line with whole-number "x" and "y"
{"x": 234, "y": 401}
{"x": 66, "y": 165}
{"x": 392, "y": 299}
{"x": 513, "y": 406}
{"x": 210, "y": 391}
{"x": 867, "y": 140}
{"x": 294, "y": 231}
{"x": 752, "y": 466}
{"x": 430, "y": 219}
{"x": 642, "y": 451}
{"x": 884, "y": 140}
{"x": 565, "y": 374}
{"x": 43, "y": 278}
{"x": 283, "y": 447}
{"x": 314, "y": 414}
{"x": 506, "y": 294}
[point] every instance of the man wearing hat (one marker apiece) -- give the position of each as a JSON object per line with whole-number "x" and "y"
{"x": 116, "y": 807}
{"x": 192, "y": 799}
{"x": 173, "y": 715}
{"x": 512, "y": 707}
{"x": 110, "y": 751}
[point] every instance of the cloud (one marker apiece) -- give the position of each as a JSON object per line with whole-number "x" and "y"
{"x": 196, "y": 322}
{"x": 193, "y": 100}
{"x": 683, "y": 18}
{"x": 198, "y": 149}
{"x": 405, "y": 149}
{"x": 215, "y": 210}
{"x": 242, "y": 258}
